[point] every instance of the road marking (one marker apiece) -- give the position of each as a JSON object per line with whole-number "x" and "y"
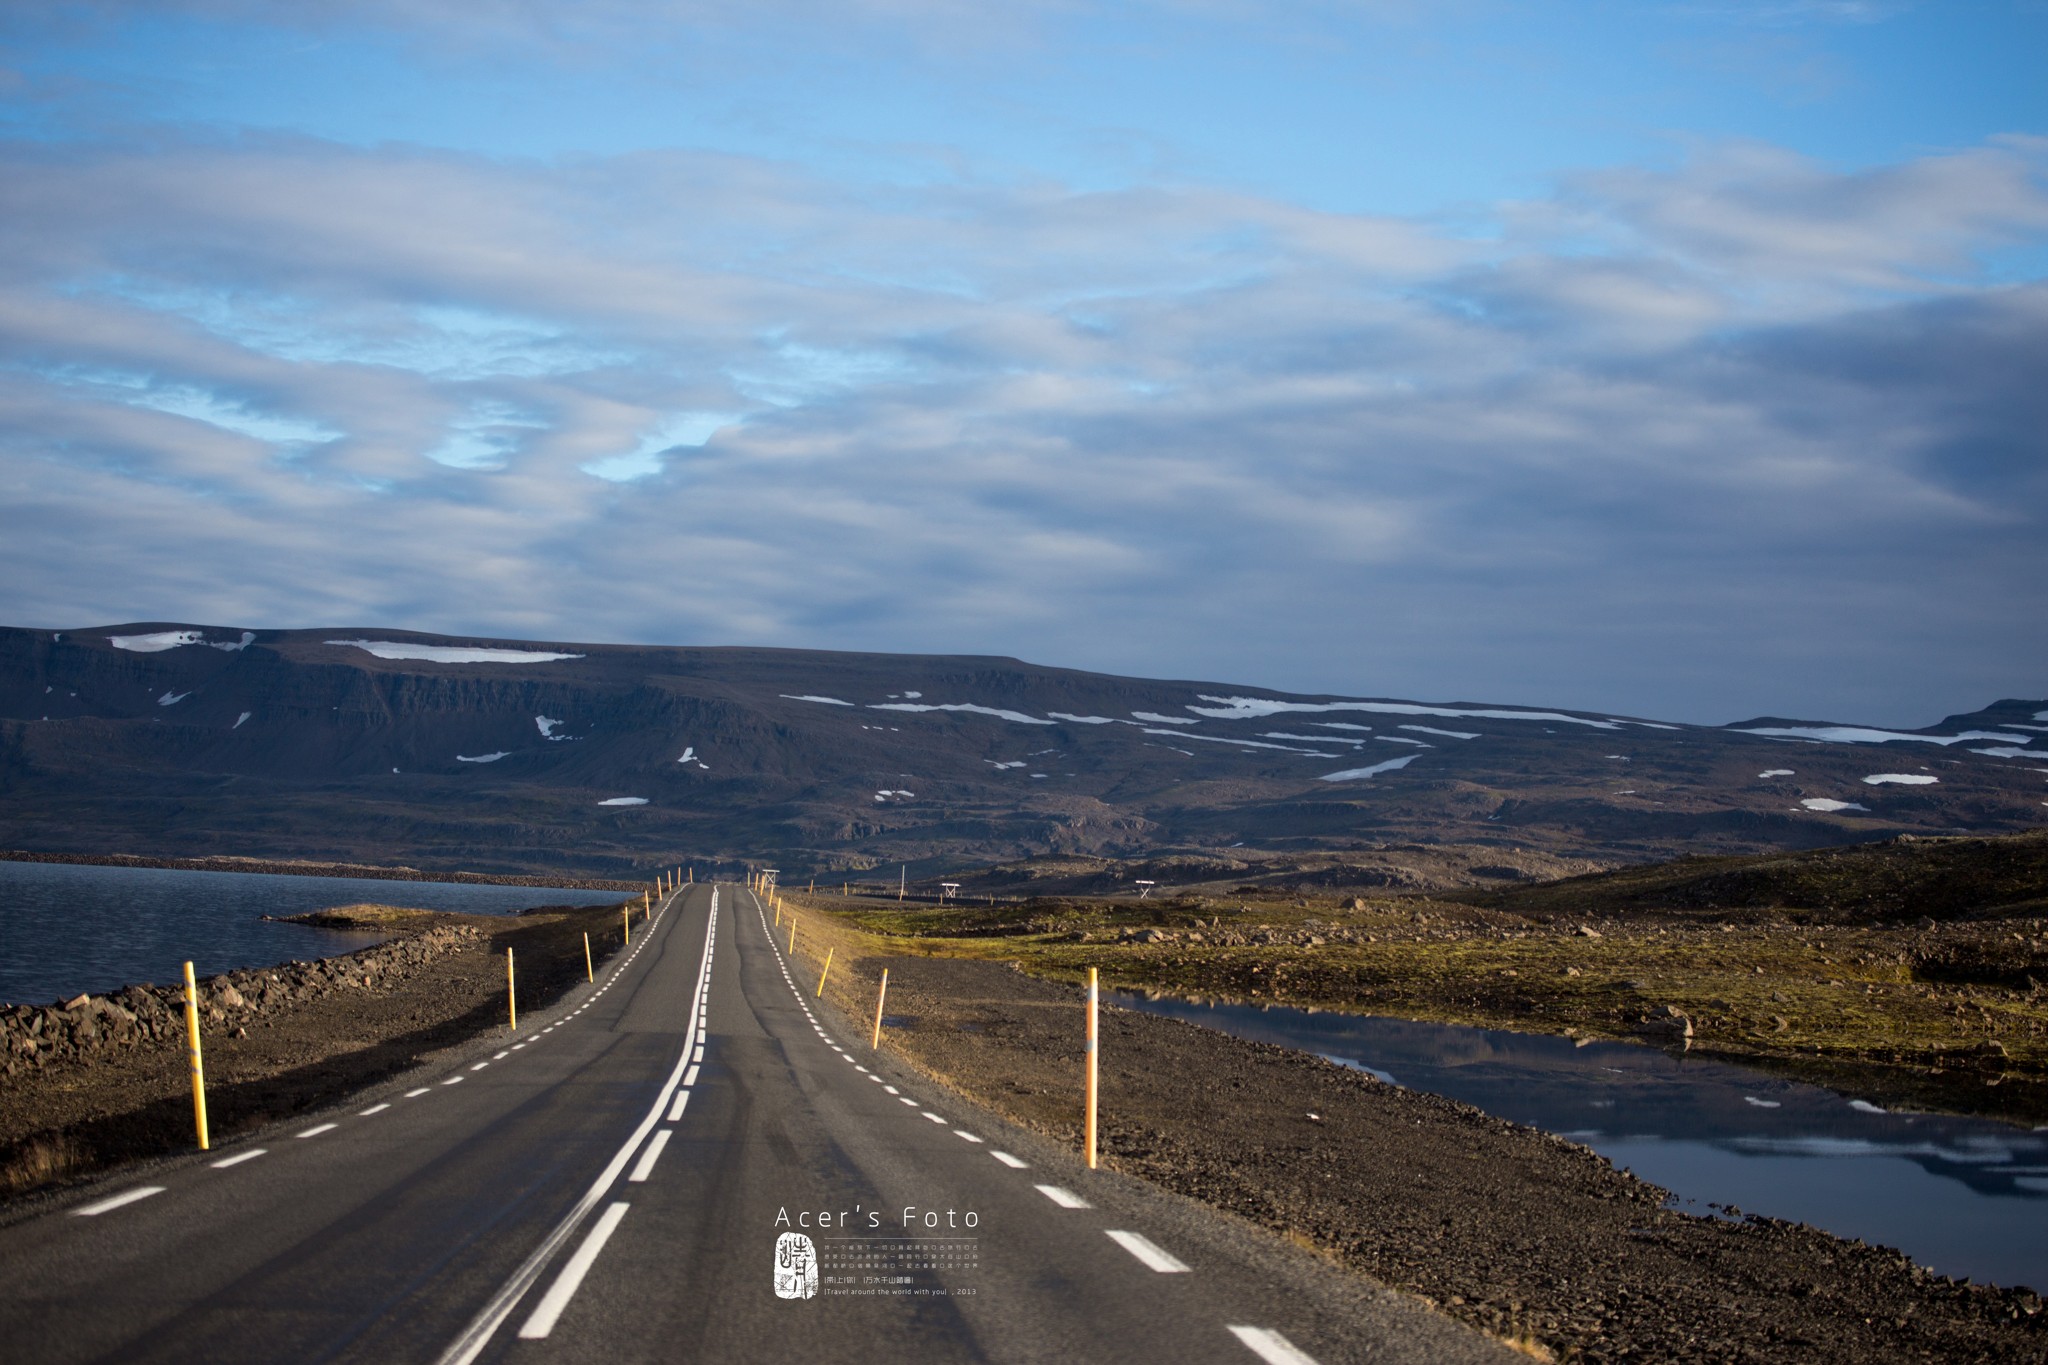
{"x": 415, "y": 1094}
{"x": 1271, "y": 1347}
{"x": 650, "y": 1156}
{"x": 502, "y": 1055}
{"x": 238, "y": 1158}
{"x": 570, "y": 1280}
{"x": 1011, "y": 1161}
{"x": 318, "y": 1129}
{"x": 1066, "y": 1199}
{"x": 963, "y": 1133}
{"x": 477, "y": 1335}
{"x": 373, "y": 1109}
{"x": 453, "y": 1080}
{"x": 873, "y": 1077}
{"x": 675, "y": 1111}
{"x": 892, "y": 1089}
{"x": 479, "y": 1066}
{"x": 934, "y": 1118}
{"x": 690, "y": 1077}
{"x": 517, "y": 1046}
{"x": 698, "y": 1055}
{"x": 1149, "y": 1252}
{"x": 905, "y": 1099}
{"x": 116, "y": 1201}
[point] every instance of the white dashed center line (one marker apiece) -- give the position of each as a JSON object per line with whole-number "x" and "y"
{"x": 564, "y": 1288}
{"x": 453, "y": 1080}
{"x": 415, "y": 1094}
{"x": 317, "y": 1129}
{"x": 675, "y": 1111}
{"x": 373, "y": 1109}
{"x": 650, "y": 1156}
{"x": 1011, "y": 1161}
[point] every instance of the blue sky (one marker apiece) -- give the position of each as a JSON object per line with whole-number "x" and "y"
{"x": 1673, "y": 358}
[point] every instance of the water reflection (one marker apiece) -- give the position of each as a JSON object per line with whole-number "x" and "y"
{"x": 1968, "y": 1197}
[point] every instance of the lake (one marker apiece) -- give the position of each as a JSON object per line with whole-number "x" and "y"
{"x": 1964, "y": 1197}
{"x": 66, "y": 929}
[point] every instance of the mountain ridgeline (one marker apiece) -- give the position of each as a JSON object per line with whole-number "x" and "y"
{"x": 363, "y": 745}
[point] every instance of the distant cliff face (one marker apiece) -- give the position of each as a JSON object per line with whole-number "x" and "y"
{"x": 383, "y": 746}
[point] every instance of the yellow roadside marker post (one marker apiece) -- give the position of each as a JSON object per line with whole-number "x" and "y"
{"x": 192, "y": 1045}
{"x": 511, "y": 993}
{"x": 822, "y": 975}
{"x": 626, "y": 918}
{"x": 880, "y": 996}
{"x": 792, "y": 935}
{"x": 589, "y": 972}
{"x": 1091, "y": 1067}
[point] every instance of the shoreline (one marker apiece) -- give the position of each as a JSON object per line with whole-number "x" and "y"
{"x": 368, "y": 872}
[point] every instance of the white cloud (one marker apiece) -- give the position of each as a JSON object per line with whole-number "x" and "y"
{"x": 1748, "y": 409}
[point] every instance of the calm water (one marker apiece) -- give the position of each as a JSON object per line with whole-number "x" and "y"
{"x": 1965, "y": 1197}
{"x": 66, "y": 929}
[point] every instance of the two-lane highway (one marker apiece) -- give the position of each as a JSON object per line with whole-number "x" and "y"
{"x": 690, "y": 1160}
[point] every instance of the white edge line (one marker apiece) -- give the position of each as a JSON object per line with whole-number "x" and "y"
{"x": 570, "y": 1280}
{"x": 1066, "y": 1199}
{"x": 116, "y": 1201}
{"x": 1154, "y": 1256}
{"x": 1269, "y": 1346}
{"x": 238, "y": 1158}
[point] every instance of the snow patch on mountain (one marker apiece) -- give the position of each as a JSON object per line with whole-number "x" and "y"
{"x": 624, "y": 801}
{"x": 159, "y": 640}
{"x": 822, "y": 701}
{"x": 483, "y": 758}
{"x": 1902, "y": 779}
{"x": 1858, "y": 734}
{"x": 1017, "y": 717}
{"x": 452, "y": 654}
{"x": 1822, "y": 803}
{"x": 1353, "y": 774}
{"x": 1249, "y": 708}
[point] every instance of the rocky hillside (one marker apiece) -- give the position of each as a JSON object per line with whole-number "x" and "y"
{"x": 382, "y": 746}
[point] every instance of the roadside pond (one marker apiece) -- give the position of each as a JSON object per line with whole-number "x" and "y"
{"x": 1963, "y": 1197}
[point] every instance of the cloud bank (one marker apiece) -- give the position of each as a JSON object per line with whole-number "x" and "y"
{"x": 1748, "y": 434}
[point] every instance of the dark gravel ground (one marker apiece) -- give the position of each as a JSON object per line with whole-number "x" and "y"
{"x": 1521, "y": 1233}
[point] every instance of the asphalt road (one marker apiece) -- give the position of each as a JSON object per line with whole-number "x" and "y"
{"x": 614, "y": 1182}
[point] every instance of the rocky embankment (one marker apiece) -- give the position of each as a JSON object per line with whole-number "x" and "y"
{"x": 85, "y": 1028}
{"x": 99, "y": 1080}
